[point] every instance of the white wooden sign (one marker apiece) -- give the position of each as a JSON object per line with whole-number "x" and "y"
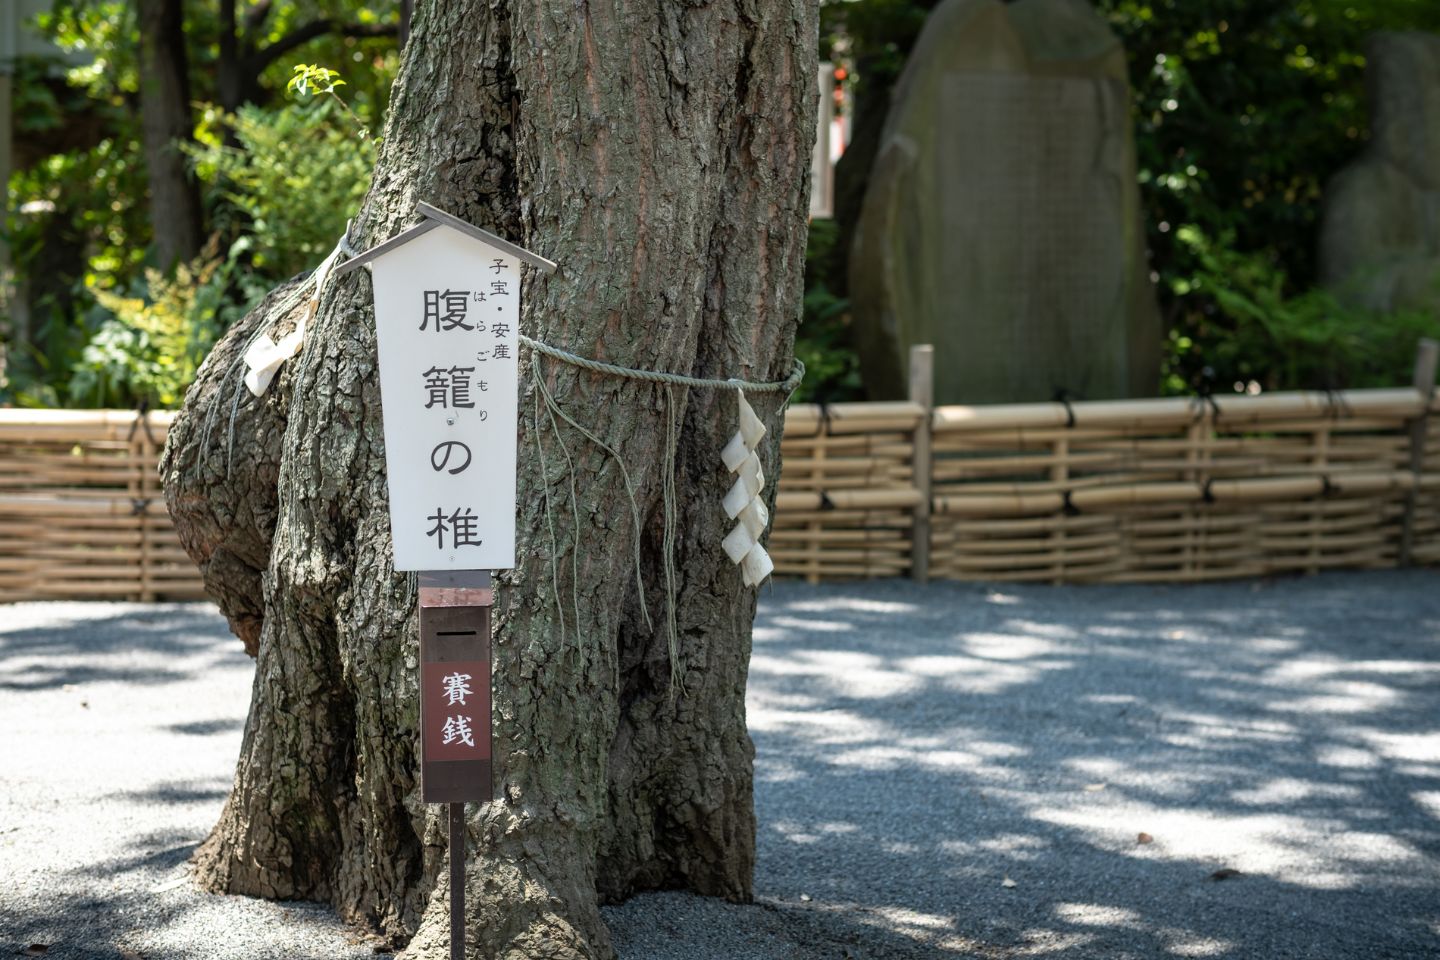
{"x": 447, "y": 317}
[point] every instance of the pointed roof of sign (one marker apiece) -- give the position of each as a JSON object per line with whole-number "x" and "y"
{"x": 435, "y": 217}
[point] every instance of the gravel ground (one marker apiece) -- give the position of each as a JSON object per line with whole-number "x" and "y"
{"x": 1245, "y": 770}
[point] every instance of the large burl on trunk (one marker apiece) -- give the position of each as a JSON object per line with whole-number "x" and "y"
{"x": 659, "y": 153}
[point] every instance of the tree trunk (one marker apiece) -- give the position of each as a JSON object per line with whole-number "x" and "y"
{"x": 407, "y": 9}
{"x": 660, "y": 154}
{"x": 165, "y": 124}
{"x": 229, "y": 70}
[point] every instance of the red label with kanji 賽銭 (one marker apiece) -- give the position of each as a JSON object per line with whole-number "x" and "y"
{"x": 455, "y": 710}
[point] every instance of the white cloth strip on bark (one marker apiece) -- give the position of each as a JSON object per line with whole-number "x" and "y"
{"x": 753, "y": 475}
{"x": 744, "y": 500}
{"x": 738, "y": 542}
{"x": 750, "y": 426}
{"x": 755, "y": 518}
{"x": 735, "y": 452}
{"x": 736, "y": 500}
{"x": 756, "y": 566}
{"x": 265, "y": 355}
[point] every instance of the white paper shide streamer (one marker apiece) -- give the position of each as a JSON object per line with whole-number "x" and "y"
{"x": 265, "y": 355}
{"x": 743, "y": 503}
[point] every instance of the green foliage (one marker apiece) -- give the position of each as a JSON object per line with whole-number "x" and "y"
{"x": 144, "y": 346}
{"x": 875, "y": 34}
{"x": 284, "y": 180}
{"x": 1256, "y": 332}
{"x": 369, "y": 64}
{"x": 832, "y": 369}
{"x": 278, "y": 181}
{"x": 313, "y": 78}
{"x": 823, "y": 342}
{"x": 1243, "y": 112}
{"x": 76, "y": 200}
{"x": 39, "y": 376}
{"x": 150, "y": 348}
{"x": 281, "y": 184}
{"x": 278, "y": 186}
{"x": 103, "y": 35}
{"x": 93, "y": 193}
{"x": 869, "y": 40}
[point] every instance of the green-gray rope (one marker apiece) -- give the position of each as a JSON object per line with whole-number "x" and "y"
{"x": 786, "y": 386}
{"x": 671, "y": 520}
{"x": 552, "y": 410}
{"x": 670, "y": 507}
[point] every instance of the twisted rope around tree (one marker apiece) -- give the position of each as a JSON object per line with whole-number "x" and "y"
{"x": 553, "y": 410}
{"x": 786, "y": 386}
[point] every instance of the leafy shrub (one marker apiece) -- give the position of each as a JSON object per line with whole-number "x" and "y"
{"x": 285, "y": 179}
{"x": 148, "y": 348}
{"x": 283, "y": 184}
{"x": 1255, "y": 331}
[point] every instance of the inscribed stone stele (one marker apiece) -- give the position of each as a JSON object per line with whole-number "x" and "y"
{"x": 1002, "y": 221}
{"x": 1380, "y": 233}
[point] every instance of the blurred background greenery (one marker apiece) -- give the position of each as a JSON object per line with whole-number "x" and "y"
{"x": 276, "y": 175}
{"x": 1242, "y": 109}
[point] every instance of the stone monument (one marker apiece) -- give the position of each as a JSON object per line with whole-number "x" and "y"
{"x": 1380, "y": 234}
{"x": 1002, "y": 221}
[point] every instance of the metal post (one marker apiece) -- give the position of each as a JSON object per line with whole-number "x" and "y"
{"x": 1426, "y": 360}
{"x": 922, "y": 391}
{"x": 457, "y": 881}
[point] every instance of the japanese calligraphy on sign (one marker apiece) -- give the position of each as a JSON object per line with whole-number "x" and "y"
{"x": 456, "y": 704}
{"x": 447, "y": 316}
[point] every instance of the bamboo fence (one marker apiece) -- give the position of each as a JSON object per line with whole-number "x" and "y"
{"x": 82, "y": 515}
{"x": 1167, "y": 490}
{"x": 1170, "y": 490}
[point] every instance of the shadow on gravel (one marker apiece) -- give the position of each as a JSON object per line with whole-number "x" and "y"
{"x": 207, "y": 728}
{"x": 970, "y": 770}
{"x": 144, "y": 903}
{"x": 120, "y": 730}
{"x": 139, "y": 647}
{"x": 98, "y": 911}
{"x": 126, "y": 924}
{"x": 950, "y": 771}
{"x": 171, "y": 793}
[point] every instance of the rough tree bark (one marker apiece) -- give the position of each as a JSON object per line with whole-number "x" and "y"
{"x": 659, "y": 153}
{"x": 165, "y": 124}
